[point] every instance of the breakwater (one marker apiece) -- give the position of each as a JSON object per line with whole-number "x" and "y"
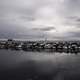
{"x": 52, "y": 46}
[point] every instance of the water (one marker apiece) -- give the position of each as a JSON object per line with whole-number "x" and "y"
{"x": 20, "y": 65}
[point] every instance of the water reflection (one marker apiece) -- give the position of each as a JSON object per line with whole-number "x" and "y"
{"x": 20, "y": 65}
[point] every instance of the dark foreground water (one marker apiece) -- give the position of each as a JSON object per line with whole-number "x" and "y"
{"x": 20, "y": 65}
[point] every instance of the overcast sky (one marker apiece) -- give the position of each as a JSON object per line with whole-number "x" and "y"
{"x": 40, "y": 19}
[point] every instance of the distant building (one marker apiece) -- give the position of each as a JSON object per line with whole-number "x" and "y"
{"x": 10, "y": 40}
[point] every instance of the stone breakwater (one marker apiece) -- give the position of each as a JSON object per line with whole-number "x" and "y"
{"x": 52, "y": 46}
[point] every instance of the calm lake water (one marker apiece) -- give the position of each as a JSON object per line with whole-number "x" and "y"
{"x": 20, "y": 65}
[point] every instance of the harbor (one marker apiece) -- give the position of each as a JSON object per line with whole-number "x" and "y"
{"x": 48, "y": 46}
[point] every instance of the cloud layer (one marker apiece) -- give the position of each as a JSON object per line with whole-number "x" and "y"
{"x": 40, "y": 19}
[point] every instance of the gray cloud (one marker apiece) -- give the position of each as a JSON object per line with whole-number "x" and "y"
{"x": 73, "y": 21}
{"x": 47, "y": 28}
{"x": 75, "y": 34}
{"x": 78, "y": 19}
{"x": 39, "y": 19}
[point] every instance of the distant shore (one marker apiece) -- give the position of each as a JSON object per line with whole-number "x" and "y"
{"x": 42, "y": 45}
